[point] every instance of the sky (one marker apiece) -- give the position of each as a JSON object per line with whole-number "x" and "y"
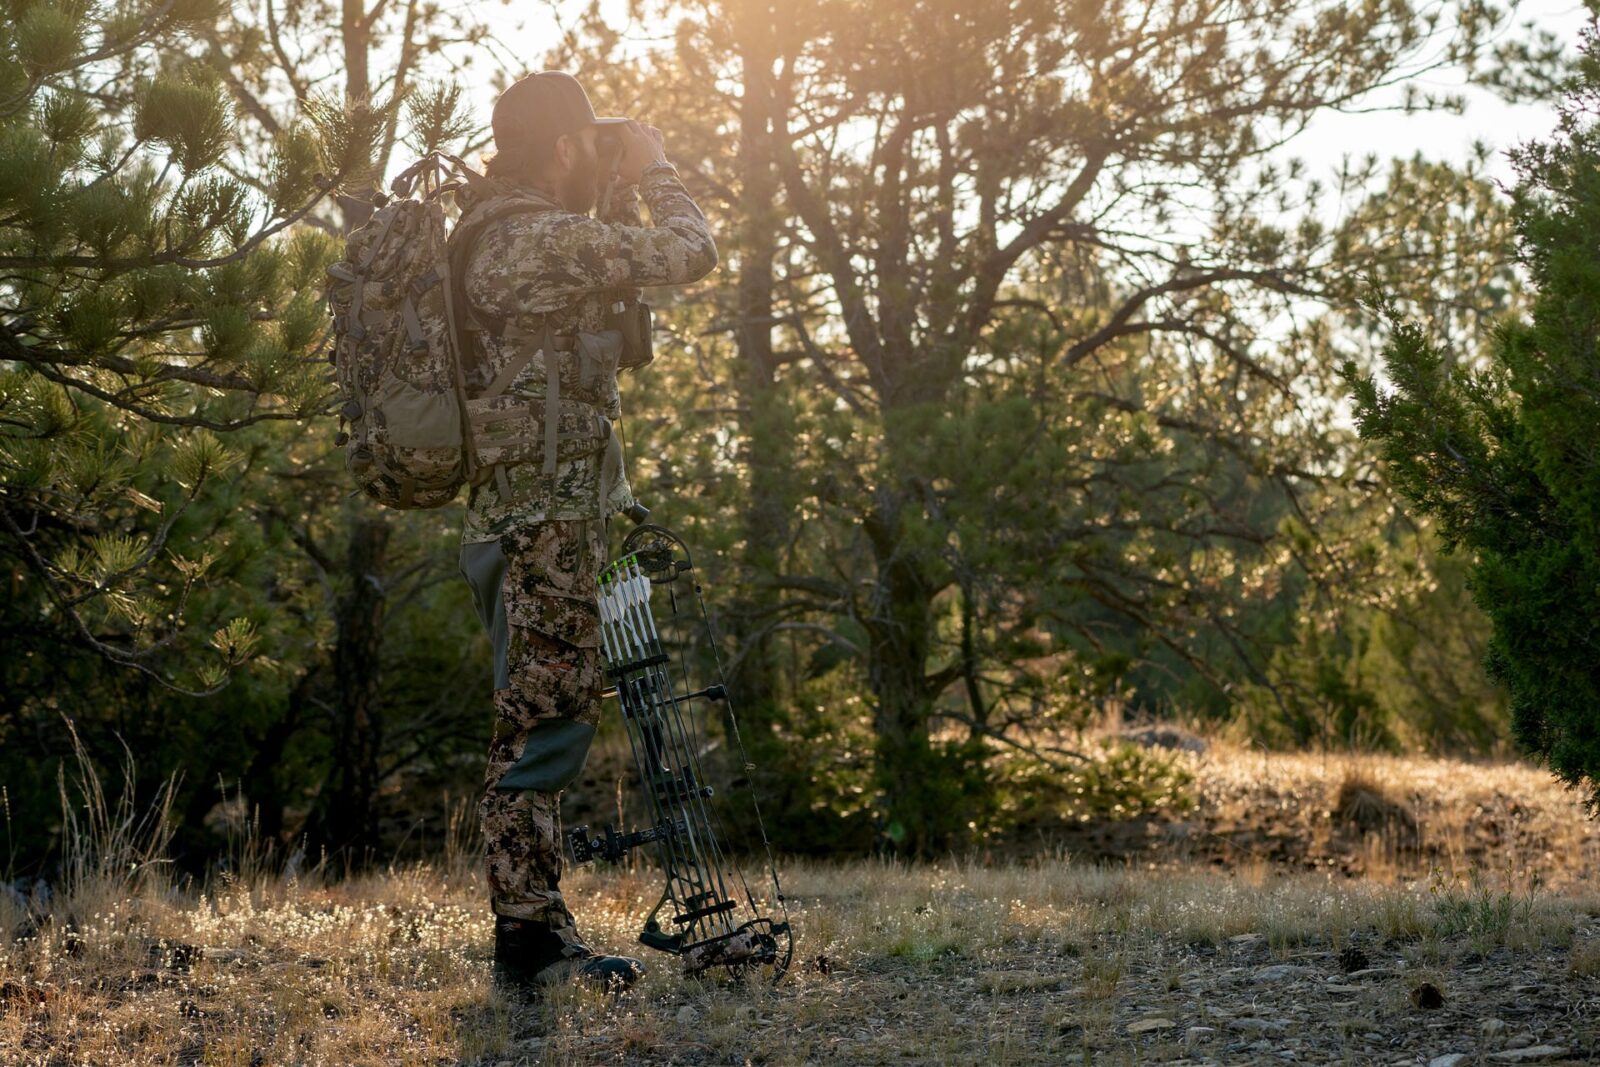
{"x": 1442, "y": 136}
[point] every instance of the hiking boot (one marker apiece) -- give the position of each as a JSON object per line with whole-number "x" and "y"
{"x": 529, "y": 955}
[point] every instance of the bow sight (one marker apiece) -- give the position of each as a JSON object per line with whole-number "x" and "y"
{"x": 707, "y": 914}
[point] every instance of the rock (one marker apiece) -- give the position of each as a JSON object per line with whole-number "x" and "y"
{"x": 1449, "y": 1059}
{"x": 1144, "y": 1026}
{"x": 1531, "y": 1054}
{"x": 1279, "y": 971}
{"x": 1258, "y": 1026}
{"x": 1371, "y": 972}
{"x": 687, "y": 1016}
{"x": 1490, "y": 1027}
{"x": 1198, "y": 1033}
{"x": 1245, "y": 940}
{"x": 1340, "y": 987}
{"x": 1520, "y": 1041}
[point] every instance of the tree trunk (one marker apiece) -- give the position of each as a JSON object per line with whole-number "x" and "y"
{"x": 348, "y": 822}
{"x": 261, "y": 784}
{"x": 915, "y": 810}
{"x": 356, "y": 40}
{"x": 765, "y": 445}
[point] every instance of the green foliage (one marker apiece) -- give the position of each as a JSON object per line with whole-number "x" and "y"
{"x": 1005, "y": 455}
{"x": 1116, "y": 781}
{"x": 163, "y": 506}
{"x": 141, "y": 320}
{"x": 1501, "y": 455}
{"x": 188, "y": 113}
{"x": 1490, "y": 914}
{"x": 296, "y": 155}
{"x": 438, "y": 116}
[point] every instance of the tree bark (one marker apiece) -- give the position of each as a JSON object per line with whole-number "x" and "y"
{"x": 261, "y": 783}
{"x": 900, "y": 632}
{"x": 765, "y": 448}
{"x": 348, "y": 823}
{"x": 357, "y": 40}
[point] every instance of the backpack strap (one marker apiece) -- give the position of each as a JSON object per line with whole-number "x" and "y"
{"x": 461, "y": 244}
{"x": 552, "y": 399}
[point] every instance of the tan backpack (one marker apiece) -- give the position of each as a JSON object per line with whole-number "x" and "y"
{"x": 398, "y": 355}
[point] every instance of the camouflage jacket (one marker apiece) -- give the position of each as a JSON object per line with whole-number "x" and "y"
{"x": 573, "y": 267}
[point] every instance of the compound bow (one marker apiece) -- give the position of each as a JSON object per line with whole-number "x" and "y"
{"x": 708, "y": 913}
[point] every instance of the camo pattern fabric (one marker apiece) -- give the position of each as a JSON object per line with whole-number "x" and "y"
{"x": 404, "y": 445}
{"x": 572, "y": 267}
{"x": 553, "y": 660}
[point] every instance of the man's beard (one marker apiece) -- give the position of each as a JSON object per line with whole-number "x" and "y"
{"x": 581, "y": 186}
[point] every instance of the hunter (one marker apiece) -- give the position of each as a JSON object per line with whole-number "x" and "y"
{"x": 539, "y": 275}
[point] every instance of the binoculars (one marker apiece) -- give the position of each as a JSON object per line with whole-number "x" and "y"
{"x": 608, "y": 138}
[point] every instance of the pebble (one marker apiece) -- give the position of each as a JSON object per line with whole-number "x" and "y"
{"x": 1529, "y": 1054}
{"x": 1492, "y": 1026}
{"x": 1144, "y": 1026}
{"x": 1520, "y": 1041}
{"x": 1449, "y": 1059}
{"x": 1279, "y": 971}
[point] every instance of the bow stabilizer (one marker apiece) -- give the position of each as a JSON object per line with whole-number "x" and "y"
{"x": 708, "y": 914}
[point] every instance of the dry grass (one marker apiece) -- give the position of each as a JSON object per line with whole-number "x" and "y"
{"x": 964, "y": 962}
{"x": 946, "y": 964}
{"x": 1369, "y": 816}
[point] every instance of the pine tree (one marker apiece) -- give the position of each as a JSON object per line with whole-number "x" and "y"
{"x": 1007, "y": 415}
{"x": 1502, "y": 455}
{"x": 152, "y": 304}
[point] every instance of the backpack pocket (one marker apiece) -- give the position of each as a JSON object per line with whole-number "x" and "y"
{"x": 510, "y": 429}
{"x": 597, "y": 356}
{"x": 418, "y": 418}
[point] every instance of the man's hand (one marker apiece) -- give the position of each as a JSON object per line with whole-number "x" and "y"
{"x": 641, "y": 146}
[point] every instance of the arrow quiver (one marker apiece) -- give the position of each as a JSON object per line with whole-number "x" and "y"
{"x": 708, "y": 913}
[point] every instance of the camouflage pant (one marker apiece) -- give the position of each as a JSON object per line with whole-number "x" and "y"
{"x": 535, "y": 591}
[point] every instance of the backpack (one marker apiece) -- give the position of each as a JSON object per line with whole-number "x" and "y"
{"x": 402, "y": 353}
{"x": 398, "y": 353}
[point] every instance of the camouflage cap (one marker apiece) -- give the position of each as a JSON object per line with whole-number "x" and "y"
{"x": 540, "y": 108}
